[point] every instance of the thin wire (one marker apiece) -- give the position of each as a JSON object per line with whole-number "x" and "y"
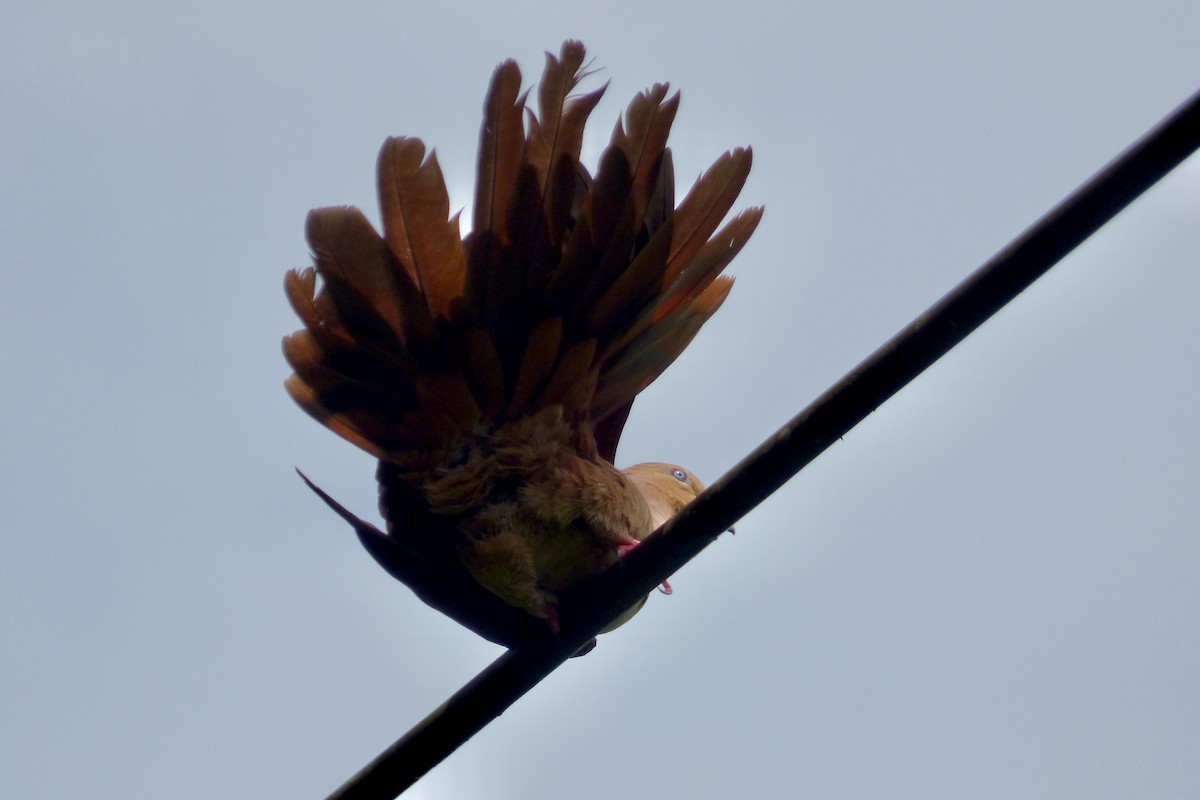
{"x": 588, "y": 609}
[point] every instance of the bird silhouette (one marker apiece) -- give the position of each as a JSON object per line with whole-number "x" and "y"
{"x": 492, "y": 374}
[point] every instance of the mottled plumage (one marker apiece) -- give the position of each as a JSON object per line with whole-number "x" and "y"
{"x": 492, "y": 375}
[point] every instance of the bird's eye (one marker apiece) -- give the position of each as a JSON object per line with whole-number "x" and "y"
{"x": 679, "y": 475}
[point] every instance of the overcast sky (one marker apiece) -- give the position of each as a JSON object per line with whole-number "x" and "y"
{"x": 989, "y": 589}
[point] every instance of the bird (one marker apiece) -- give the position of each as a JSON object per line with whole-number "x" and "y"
{"x": 492, "y": 374}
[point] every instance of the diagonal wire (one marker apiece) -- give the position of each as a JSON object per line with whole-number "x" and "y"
{"x": 586, "y": 611}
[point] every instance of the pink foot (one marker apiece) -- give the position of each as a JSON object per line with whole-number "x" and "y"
{"x": 623, "y": 550}
{"x": 552, "y": 620}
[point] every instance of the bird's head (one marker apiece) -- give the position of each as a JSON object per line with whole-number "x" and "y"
{"x": 666, "y": 487}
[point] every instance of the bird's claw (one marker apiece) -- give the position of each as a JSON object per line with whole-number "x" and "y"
{"x": 623, "y": 550}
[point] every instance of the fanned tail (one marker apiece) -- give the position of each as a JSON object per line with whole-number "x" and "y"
{"x": 569, "y": 290}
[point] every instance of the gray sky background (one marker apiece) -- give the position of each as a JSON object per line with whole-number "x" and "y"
{"x": 989, "y": 589}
